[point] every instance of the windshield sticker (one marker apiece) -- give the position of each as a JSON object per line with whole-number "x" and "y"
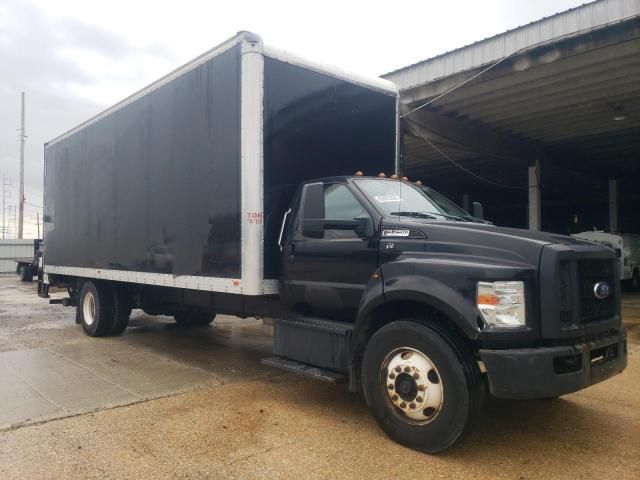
{"x": 388, "y": 198}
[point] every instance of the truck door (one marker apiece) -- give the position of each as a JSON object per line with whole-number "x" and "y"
{"x": 330, "y": 253}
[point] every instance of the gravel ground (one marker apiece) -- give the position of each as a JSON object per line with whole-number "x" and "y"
{"x": 255, "y": 423}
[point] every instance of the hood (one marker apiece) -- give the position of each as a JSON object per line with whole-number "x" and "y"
{"x": 480, "y": 240}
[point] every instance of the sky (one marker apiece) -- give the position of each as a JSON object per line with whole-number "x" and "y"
{"x": 74, "y": 58}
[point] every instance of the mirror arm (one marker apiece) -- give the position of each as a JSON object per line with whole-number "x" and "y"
{"x": 284, "y": 221}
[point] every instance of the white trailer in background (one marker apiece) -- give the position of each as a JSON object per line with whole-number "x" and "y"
{"x": 627, "y": 248}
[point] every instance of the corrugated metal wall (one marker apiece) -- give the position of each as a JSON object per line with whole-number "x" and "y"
{"x": 10, "y": 249}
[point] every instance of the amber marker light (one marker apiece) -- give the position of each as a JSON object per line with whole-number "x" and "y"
{"x": 488, "y": 300}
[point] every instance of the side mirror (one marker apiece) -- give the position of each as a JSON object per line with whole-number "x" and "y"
{"x": 365, "y": 227}
{"x": 312, "y": 210}
{"x": 478, "y": 210}
{"x": 313, "y": 227}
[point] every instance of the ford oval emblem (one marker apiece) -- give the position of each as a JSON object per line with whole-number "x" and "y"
{"x": 601, "y": 290}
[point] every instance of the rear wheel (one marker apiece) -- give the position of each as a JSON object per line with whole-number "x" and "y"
{"x": 96, "y": 309}
{"x": 194, "y": 319}
{"x": 422, "y": 385}
{"x": 122, "y": 309}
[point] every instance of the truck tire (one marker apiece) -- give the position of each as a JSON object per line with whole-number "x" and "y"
{"x": 194, "y": 319}
{"x": 96, "y": 308}
{"x": 122, "y": 310}
{"x": 26, "y": 274}
{"x": 422, "y": 385}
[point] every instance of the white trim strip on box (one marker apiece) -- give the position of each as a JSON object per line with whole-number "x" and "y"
{"x": 210, "y": 284}
{"x": 251, "y": 165}
{"x": 376, "y": 83}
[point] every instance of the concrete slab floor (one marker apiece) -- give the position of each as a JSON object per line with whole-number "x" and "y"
{"x": 165, "y": 402}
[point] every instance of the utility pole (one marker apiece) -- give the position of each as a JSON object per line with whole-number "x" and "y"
{"x": 11, "y": 223}
{"x": 38, "y": 223}
{"x": 23, "y": 136}
{"x": 5, "y": 194}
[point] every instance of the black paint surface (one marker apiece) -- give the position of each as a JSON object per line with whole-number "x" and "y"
{"x": 154, "y": 186}
{"x": 318, "y": 126}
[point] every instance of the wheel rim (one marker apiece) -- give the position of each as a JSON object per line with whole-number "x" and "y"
{"x": 412, "y": 385}
{"x": 89, "y": 308}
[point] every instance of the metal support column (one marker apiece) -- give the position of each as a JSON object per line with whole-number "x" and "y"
{"x": 613, "y": 205}
{"x": 466, "y": 203}
{"x": 535, "y": 217}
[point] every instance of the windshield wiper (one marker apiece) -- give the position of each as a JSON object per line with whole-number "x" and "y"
{"x": 452, "y": 217}
{"x": 430, "y": 215}
{"x": 415, "y": 215}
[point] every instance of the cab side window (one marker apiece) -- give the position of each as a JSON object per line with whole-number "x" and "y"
{"x": 341, "y": 204}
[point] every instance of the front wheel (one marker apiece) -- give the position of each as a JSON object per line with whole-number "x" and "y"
{"x": 422, "y": 385}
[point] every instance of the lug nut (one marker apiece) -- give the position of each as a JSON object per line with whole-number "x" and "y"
{"x": 416, "y": 376}
{"x": 421, "y": 388}
{"x": 394, "y": 398}
{"x": 390, "y": 386}
{"x": 418, "y": 399}
{"x": 407, "y": 369}
{"x": 403, "y": 405}
{"x": 392, "y": 375}
{"x": 412, "y": 405}
{"x": 398, "y": 369}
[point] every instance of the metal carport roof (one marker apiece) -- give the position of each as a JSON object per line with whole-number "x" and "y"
{"x": 565, "y": 89}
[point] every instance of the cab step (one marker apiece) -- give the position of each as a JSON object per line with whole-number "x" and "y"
{"x": 304, "y": 369}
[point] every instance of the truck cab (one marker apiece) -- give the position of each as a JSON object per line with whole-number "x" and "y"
{"x": 422, "y": 309}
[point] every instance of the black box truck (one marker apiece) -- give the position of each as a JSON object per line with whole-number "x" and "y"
{"x": 234, "y": 186}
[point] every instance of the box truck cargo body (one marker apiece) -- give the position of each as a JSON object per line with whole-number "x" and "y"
{"x": 184, "y": 184}
{"x": 234, "y": 185}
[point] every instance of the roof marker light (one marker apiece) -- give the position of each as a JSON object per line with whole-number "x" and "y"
{"x": 359, "y": 174}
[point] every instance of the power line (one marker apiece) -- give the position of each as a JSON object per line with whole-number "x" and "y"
{"x": 464, "y": 169}
{"x": 447, "y": 92}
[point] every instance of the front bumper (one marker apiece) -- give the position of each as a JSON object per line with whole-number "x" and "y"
{"x": 528, "y": 373}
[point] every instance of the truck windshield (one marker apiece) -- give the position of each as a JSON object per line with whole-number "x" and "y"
{"x": 445, "y": 204}
{"x": 393, "y": 197}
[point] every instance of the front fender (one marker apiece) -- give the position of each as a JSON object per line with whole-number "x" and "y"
{"x": 445, "y": 284}
{"x": 421, "y": 289}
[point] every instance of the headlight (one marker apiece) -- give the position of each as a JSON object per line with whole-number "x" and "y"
{"x": 502, "y": 303}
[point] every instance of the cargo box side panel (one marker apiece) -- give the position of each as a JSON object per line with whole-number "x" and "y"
{"x": 316, "y": 125}
{"x": 154, "y": 186}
